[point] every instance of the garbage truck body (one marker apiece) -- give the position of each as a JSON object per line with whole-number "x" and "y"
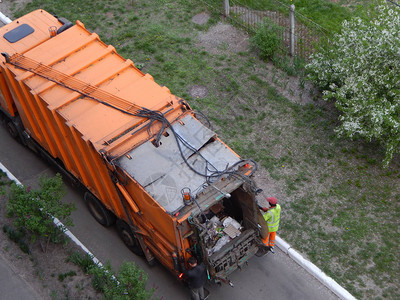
{"x": 143, "y": 159}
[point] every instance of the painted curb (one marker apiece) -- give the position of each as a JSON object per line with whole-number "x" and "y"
{"x": 56, "y": 221}
{"x": 282, "y": 245}
{"x": 4, "y": 18}
{"x": 314, "y": 270}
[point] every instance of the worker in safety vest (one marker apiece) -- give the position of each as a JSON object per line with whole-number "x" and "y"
{"x": 272, "y": 216}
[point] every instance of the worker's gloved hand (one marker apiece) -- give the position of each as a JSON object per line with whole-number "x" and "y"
{"x": 262, "y": 208}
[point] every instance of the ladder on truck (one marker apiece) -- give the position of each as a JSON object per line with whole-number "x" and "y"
{"x": 72, "y": 83}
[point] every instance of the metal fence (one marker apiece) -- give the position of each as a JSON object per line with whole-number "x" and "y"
{"x": 307, "y": 35}
{"x": 299, "y": 34}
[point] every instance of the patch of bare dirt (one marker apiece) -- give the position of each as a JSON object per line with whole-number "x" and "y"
{"x": 292, "y": 88}
{"x": 226, "y": 39}
{"x": 42, "y": 270}
{"x": 223, "y": 38}
{"x": 201, "y": 18}
{"x": 198, "y": 91}
{"x": 109, "y": 15}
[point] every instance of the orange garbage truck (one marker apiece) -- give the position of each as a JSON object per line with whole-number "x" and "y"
{"x": 145, "y": 162}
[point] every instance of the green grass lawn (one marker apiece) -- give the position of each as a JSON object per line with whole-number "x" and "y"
{"x": 340, "y": 207}
{"x": 326, "y": 13}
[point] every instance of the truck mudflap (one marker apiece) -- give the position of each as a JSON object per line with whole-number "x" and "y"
{"x": 234, "y": 254}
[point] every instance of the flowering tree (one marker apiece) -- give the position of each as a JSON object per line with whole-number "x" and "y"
{"x": 360, "y": 70}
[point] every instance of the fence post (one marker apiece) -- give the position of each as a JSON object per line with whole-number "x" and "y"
{"x": 226, "y": 8}
{"x": 292, "y": 29}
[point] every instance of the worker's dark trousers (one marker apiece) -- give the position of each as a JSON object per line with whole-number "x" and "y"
{"x": 197, "y": 294}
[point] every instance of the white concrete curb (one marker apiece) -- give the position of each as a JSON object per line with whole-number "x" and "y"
{"x": 314, "y": 270}
{"x": 4, "y": 18}
{"x": 56, "y": 221}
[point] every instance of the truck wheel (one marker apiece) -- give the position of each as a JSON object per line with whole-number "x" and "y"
{"x": 12, "y": 129}
{"x": 129, "y": 238}
{"x": 99, "y": 211}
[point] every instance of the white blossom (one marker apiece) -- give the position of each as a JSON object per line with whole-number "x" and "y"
{"x": 361, "y": 71}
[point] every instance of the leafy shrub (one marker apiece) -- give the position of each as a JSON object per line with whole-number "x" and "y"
{"x": 102, "y": 279}
{"x": 360, "y": 70}
{"x": 85, "y": 262}
{"x": 292, "y": 66}
{"x": 33, "y": 209}
{"x": 62, "y": 276}
{"x": 129, "y": 283}
{"x": 267, "y": 38}
{"x": 132, "y": 282}
{"x": 17, "y": 237}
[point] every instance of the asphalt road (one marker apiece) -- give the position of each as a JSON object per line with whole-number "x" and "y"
{"x": 270, "y": 277}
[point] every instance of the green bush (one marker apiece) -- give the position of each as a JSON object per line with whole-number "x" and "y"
{"x": 132, "y": 282}
{"x": 33, "y": 209}
{"x": 292, "y": 66}
{"x": 85, "y": 262}
{"x": 62, "y": 276}
{"x": 267, "y": 39}
{"x": 129, "y": 283}
{"x": 17, "y": 237}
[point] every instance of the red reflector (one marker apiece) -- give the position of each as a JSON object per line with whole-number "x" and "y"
{"x": 177, "y": 214}
{"x": 180, "y": 276}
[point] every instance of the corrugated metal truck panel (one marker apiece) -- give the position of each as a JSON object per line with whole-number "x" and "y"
{"x": 6, "y": 100}
{"x": 90, "y": 60}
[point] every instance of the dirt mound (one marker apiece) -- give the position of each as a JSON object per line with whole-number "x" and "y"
{"x": 223, "y": 38}
{"x": 226, "y": 39}
{"x": 201, "y": 18}
{"x": 198, "y": 91}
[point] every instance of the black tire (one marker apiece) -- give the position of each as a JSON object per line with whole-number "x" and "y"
{"x": 12, "y": 129}
{"x": 129, "y": 238}
{"x": 99, "y": 211}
